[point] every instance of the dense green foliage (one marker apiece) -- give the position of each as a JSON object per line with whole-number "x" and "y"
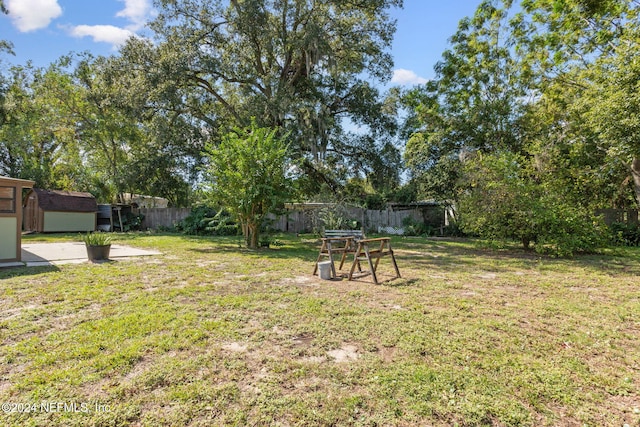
{"x": 247, "y": 172}
{"x": 508, "y": 199}
{"x": 532, "y": 122}
{"x": 627, "y": 234}
{"x": 130, "y": 222}
{"x": 73, "y": 130}
{"x": 206, "y": 220}
{"x": 413, "y": 227}
{"x": 306, "y": 68}
{"x": 138, "y": 122}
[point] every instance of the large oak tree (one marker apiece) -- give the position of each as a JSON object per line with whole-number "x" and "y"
{"x": 307, "y": 67}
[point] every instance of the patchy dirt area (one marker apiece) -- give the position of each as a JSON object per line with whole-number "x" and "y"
{"x": 346, "y": 353}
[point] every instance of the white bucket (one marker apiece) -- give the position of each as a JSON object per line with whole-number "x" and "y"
{"x": 325, "y": 270}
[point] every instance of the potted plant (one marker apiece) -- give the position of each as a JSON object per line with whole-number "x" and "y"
{"x": 98, "y": 245}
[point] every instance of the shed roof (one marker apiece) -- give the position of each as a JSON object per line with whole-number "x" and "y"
{"x": 66, "y": 201}
{"x": 14, "y": 181}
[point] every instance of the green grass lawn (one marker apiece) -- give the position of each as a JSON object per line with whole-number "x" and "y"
{"x": 211, "y": 334}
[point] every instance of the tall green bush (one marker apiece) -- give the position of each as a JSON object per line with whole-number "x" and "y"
{"x": 247, "y": 173}
{"x": 196, "y": 222}
{"x": 506, "y": 199}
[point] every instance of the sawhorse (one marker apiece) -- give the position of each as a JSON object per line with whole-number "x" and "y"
{"x": 367, "y": 250}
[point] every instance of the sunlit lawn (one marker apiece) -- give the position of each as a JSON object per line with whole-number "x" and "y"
{"x": 211, "y": 334}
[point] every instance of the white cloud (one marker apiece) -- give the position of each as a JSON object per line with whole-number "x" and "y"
{"x": 102, "y": 33}
{"x": 31, "y": 15}
{"x": 136, "y": 11}
{"x": 407, "y": 77}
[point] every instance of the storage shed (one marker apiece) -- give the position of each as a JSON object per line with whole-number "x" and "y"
{"x": 49, "y": 211}
{"x": 11, "y": 217}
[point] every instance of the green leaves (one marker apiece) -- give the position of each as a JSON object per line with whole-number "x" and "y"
{"x": 533, "y": 122}
{"x": 247, "y": 173}
{"x": 38, "y": 131}
{"x": 301, "y": 66}
{"x": 508, "y": 199}
{"x": 475, "y": 102}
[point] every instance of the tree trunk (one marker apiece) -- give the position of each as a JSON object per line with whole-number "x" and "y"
{"x": 635, "y": 173}
{"x": 251, "y": 233}
{"x": 254, "y": 230}
{"x": 245, "y": 231}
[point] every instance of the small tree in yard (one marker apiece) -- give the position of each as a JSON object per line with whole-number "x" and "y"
{"x": 247, "y": 172}
{"x": 508, "y": 199}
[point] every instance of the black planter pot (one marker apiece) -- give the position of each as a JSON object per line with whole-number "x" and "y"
{"x": 98, "y": 253}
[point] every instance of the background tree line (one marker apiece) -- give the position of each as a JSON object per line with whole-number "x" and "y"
{"x": 531, "y": 123}
{"x": 139, "y": 121}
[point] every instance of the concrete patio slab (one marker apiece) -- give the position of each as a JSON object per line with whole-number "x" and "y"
{"x": 43, "y": 254}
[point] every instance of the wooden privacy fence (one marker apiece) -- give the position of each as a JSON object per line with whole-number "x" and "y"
{"x": 309, "y": 220}
{"x": 155, "y": 218}
{"x": 387, "y": 220}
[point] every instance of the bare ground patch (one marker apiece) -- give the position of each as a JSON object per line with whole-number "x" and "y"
{"x": 345, "y": 354}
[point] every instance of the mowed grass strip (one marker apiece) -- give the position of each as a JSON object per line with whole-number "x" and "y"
{"x": 212, "y": 334}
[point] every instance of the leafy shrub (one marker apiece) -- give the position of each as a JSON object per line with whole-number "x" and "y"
{"x": 412, "y": 227}
{"x": 453, "y": 230}
{"x": 196, "y": 222}
{"x": 566, "y": 229}
{"x": 246, "y": 175}
{"x": 131, "y": 221}
{"x": 221, "y": 224}
{"x": 625, "y": 234}
{"x": 205, "y": 220}
{"x": 336, "y": 218}
{"x": 506, "y": 200}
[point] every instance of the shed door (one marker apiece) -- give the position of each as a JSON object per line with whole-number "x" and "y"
{"x": 31, "y": 214}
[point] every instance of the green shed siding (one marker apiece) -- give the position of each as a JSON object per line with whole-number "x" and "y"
{"x": 8, "y": 238}
{"x": 69, "y": 221}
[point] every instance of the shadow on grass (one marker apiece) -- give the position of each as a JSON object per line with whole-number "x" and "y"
{"x": 401, "y": 283}
{"x": 10, "y": 272}
{"x": 439, "y": 254}
{"x": 292, "y": 247}
{"x": 453, "y": 253}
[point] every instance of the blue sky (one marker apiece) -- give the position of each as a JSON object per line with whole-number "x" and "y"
{"x": 44, "y": 30}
